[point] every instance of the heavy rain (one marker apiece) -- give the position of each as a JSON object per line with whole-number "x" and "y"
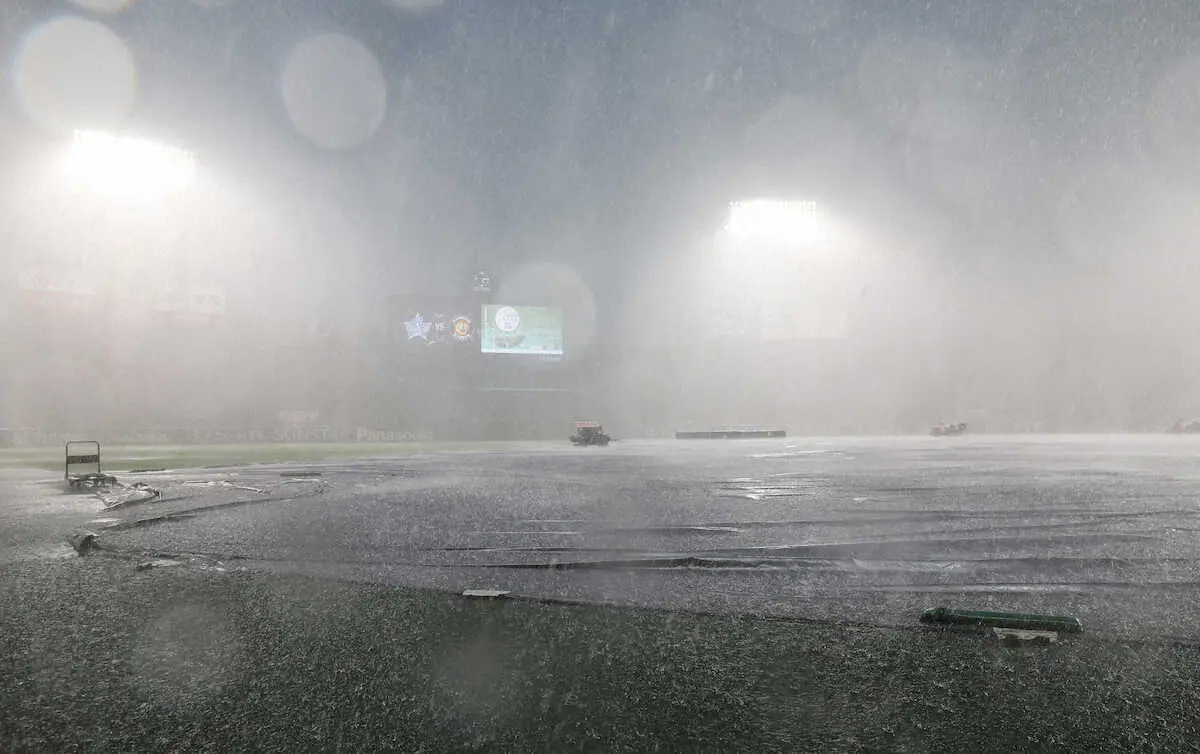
{"x": 549, "y": 374}
{"x": 1002, "y": 206}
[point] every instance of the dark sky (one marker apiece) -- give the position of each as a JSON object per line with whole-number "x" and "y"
{"x": 1018, "y": 178}
{"x": 633, "y": 123}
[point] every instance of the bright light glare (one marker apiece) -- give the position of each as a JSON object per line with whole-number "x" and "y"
{"x": 127, "y": 166}
{"x": 774, "y": 220}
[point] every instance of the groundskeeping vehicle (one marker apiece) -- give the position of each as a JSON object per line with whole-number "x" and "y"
{"x": 589, "y": 433}
{"x": 1185, "y": 427}
{"x": 948, "y": 430}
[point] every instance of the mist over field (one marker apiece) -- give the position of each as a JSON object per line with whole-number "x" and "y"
{"x": 1004, "y": 233}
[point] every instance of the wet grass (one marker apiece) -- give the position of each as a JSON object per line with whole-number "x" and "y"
{"x": 95, "y": 655}
{"x": 129, "y": 457}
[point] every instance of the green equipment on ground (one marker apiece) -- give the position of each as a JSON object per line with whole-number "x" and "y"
{"x": 1023, "y": 621}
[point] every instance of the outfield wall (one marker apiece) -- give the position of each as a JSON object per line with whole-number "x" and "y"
{"x": 32, "y": 438}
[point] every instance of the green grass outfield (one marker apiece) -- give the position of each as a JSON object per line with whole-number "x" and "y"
{"x": 129, "y": 457}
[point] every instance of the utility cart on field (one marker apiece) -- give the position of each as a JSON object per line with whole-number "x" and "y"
{"x": 589, "y": 433}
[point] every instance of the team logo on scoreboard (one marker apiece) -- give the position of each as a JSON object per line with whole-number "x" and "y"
{"x": 418, "y": 327}
{"x": 462, "y": 329}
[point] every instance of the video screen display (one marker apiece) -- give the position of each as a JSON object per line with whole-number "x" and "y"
{"x": 530, "y": 330}
{"x": 421, "y": 322}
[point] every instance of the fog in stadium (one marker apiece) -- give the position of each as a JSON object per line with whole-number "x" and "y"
{"x": 236, "y": 220}
{"x": 309, "y": 308}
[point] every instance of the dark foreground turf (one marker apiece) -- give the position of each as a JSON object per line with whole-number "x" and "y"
{"x": 97, "y": 656}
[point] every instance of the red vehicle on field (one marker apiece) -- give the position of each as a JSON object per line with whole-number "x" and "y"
{"x": 942, "y": 429}
{"x": 589, "y": 433}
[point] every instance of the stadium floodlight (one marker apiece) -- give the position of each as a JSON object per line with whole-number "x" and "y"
{"x": 774, "y": 221}
{"x": 127, "y": 166}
